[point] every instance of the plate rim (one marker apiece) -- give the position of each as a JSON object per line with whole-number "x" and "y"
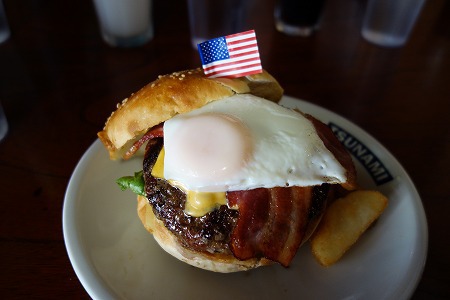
{"x": 72, "y": 240}
{"x": 91, "y": 280}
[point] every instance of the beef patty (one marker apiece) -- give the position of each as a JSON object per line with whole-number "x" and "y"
{"x": 209, "y": 233}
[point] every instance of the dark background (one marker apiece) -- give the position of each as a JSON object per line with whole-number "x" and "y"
{"x": 59, "y": 82}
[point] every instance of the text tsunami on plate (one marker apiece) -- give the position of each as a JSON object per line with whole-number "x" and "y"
{"x": 379, "y": 173}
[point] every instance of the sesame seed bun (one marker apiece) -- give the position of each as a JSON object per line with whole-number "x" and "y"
{"x": 173, "y": 94}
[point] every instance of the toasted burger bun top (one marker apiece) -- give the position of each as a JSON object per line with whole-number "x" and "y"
{"x": 173, "y": 94}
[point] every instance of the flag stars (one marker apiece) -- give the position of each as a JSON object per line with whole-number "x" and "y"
{"x": 213, "y": 50}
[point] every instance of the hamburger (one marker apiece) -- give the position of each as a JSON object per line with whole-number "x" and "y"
{"x": 230, "y": 180}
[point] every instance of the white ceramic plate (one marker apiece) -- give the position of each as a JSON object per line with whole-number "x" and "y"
{"x": 114, "y": 257}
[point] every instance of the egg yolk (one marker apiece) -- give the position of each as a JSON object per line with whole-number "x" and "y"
{"x": 210, "y": 148}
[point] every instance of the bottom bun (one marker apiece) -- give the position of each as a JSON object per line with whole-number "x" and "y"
{"x": 216, "y": 262}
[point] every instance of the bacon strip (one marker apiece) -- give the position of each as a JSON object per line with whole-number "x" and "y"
{"x": 272, "y": 222}
{"x": 154, "y": 132}
{"x": 334, "y": 146}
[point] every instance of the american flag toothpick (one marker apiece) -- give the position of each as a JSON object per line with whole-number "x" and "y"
{"x": 232, "y": 56}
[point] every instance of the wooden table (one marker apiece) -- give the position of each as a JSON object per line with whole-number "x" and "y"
{"x": 59, "y": 81}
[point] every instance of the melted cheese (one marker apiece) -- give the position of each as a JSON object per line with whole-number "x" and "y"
{"x": 158, "y": 168}
{"x": 200, "y": 203}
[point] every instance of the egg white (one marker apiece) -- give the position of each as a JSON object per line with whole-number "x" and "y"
{"x": 285, "y": 149}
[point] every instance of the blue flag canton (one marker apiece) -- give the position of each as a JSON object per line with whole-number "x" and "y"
{"x": 213, "y": 50}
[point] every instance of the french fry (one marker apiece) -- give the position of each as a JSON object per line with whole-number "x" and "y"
{"x": 344, "y": 222}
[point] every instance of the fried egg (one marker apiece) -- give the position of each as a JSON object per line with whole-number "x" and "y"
{"x": 245, "y": 142}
